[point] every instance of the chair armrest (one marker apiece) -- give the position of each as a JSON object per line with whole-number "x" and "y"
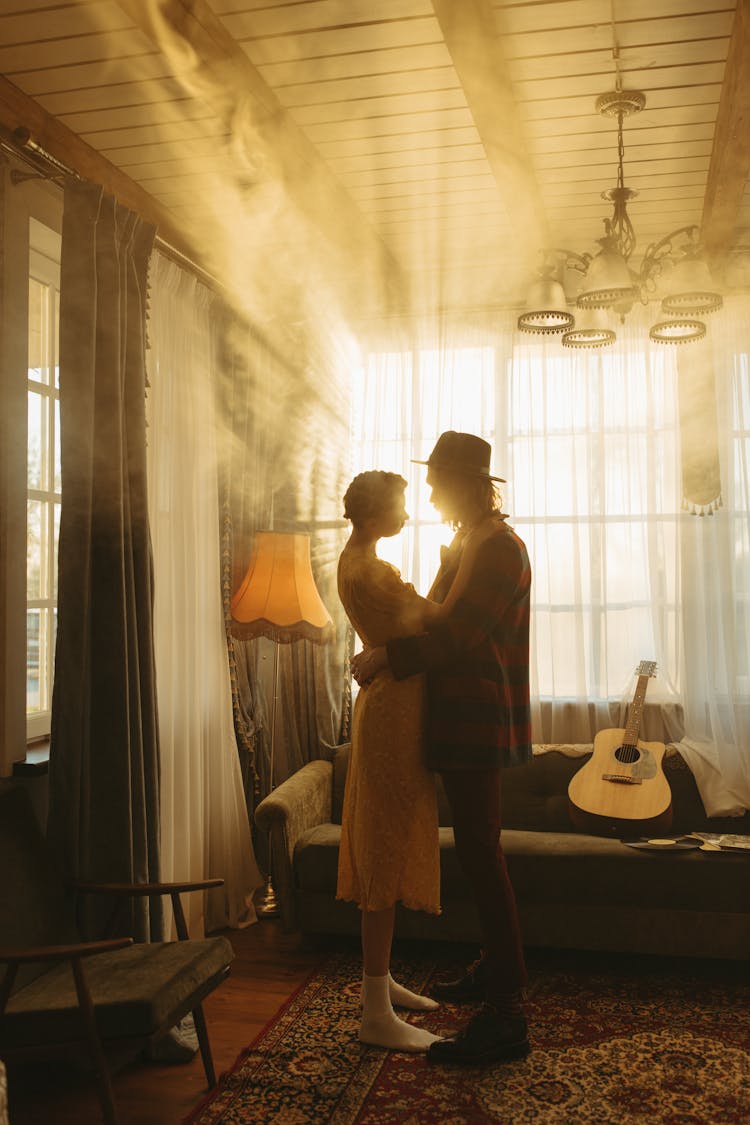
{"x": 140, "y": 889}
{"x": 134, "y": 889}
{"x": 298, "y": 804}
{"x": 62, "y": 952}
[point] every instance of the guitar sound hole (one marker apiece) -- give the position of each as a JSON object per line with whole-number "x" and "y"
{"x": 627, "y": 753}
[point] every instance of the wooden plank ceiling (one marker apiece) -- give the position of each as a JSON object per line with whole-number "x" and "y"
{"x": 431, "y": 145}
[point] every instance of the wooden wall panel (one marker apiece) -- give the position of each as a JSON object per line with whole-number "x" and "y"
{"x": 378, "y": 94}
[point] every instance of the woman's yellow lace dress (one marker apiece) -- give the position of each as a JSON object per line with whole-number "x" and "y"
{"x": 389, "y": 834}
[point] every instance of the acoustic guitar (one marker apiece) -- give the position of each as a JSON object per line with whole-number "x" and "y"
{"x": 622, "y": 789}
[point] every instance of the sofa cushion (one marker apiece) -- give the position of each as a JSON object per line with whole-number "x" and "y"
{"x": 316, "y": 859}
{"x": 535, "y": 795}
{"x": 568, "y": 868}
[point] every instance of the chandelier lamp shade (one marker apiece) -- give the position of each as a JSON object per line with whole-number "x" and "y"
{"x": 591, "y": 331}
{"x": 278, "y": 599}
{"x": 547, "y": 312}
{"x": 672, "y": 269}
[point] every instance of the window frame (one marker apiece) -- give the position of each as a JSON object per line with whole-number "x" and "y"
{"x": 20, "y": 200}
{"x": 44, "y": 267}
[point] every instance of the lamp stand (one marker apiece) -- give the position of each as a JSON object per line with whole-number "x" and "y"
{"x": 268, "y": 906}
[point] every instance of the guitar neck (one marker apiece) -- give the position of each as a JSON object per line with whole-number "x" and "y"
{"x": 636, "y": 710}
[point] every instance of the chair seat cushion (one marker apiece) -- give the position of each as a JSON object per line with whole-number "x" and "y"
{"x": 135, "y": 992}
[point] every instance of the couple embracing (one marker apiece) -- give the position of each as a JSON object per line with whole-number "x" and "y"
{"x": 445, "y": 688}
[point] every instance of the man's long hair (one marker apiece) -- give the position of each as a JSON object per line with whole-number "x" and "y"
{"x": 481, "y": 493}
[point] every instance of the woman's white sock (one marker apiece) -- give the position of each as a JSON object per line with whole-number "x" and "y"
{"x": 380, "y": 1024}
{"x": 402, "y": 997}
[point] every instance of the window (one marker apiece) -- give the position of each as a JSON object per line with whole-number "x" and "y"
{"x": 589, "y": 444}
{"x": 401, "y": 404}
{"x": 592, "y": 451}
{"x": 42, "y": 474}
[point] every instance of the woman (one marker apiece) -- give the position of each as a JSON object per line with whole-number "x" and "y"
{"x": 389, "y": 836}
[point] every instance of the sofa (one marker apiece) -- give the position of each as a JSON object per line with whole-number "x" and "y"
{"x": 574, "y": 890}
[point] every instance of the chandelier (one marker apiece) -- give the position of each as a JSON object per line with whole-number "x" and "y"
{"x": 673, "y": 268}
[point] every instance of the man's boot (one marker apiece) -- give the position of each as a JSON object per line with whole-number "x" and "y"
{"x": 490, "y": 1036}
{"x": 471, "y": 987}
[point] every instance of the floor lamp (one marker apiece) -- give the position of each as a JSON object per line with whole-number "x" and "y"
{"x": 278, "y": 599}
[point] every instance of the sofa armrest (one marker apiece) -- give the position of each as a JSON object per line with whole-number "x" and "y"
{"x": 298, "y": 804}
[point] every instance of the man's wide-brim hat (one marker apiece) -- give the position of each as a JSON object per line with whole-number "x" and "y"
{"x": 461, "y": 453}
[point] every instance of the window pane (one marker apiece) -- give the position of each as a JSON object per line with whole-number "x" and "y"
{"x": 55, "y": 547}
{"x": 38, "y": 331}
{"x": 33, "y": 683}
{"x": 46, "y": 655}
{"x": 52, "y": 648}
{"x": 35, "y": 538}
{"x": 457, "y": 391}
{"x": 56, "y": 337}
{"x": 36, "y": 441}
{"x": 35, "y": 329}
{"x": 57, "y": 482}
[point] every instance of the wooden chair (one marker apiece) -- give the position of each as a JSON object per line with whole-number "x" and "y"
{"x": 58, "y": 990}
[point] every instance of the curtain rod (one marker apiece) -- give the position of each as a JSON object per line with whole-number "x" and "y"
{"x": 20, "y": 143}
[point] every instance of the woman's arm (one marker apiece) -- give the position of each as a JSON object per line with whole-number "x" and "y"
{"x": 434, "y": 611}
{"x": 370, "y": 661}
{"x": 498, "y": 593}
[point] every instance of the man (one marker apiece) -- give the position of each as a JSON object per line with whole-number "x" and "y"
{"x": 478, "y": 721}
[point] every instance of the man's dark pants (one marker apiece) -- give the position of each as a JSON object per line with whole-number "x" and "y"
{"x": 474, "y": 797}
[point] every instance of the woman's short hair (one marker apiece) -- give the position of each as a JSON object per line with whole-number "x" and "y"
{"x": 371, "y": 493}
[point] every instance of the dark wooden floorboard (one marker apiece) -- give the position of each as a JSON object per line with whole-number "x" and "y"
{"x": 268, "y": 967}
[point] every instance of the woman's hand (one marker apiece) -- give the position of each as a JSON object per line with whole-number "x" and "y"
{"x": 367, "y": 663}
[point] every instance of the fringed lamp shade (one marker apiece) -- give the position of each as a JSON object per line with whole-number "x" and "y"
{"x": 278, "y": 597}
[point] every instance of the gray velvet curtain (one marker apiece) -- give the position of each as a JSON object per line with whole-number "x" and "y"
{"x": 104, "y": 759}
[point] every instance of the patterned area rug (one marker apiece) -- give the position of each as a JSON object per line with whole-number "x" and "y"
{"x": 615, "y": 1041}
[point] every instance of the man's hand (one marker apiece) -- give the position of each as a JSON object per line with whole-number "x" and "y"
{"x": 367, "y": 663}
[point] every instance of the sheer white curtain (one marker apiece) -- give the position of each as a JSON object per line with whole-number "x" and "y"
{"x": 204, "y": 830}
{"x": 593, "y": 453}
{"x": 403, "y": 398}
{"x": 714, "y": 653}
{"x": 590, "y": 442}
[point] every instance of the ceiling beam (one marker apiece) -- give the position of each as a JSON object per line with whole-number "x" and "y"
{"x": 472, "y": 38}
{"x": 268, "y": 147}
{"x": 730, "y": 157}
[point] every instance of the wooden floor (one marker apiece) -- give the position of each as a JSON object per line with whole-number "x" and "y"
{"x": 268, "y": 967}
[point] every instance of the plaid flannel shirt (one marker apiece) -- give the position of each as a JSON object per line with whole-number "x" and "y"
{"x": 477, "y": 661}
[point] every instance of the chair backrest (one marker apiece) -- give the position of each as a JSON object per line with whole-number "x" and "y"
{"x": 35, "y": 908}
